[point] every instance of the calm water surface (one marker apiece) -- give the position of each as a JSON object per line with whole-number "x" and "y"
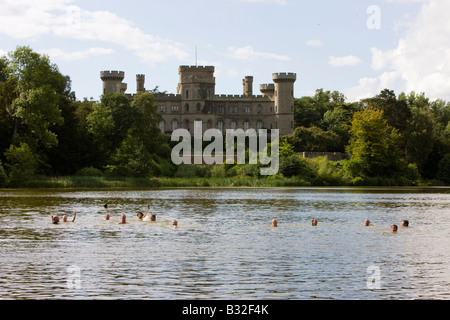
{"x": 224, "y": 246}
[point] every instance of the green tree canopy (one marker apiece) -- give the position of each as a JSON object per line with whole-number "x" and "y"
{"x": 374, "y": 145}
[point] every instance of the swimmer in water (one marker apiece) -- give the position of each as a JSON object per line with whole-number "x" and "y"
{"x": 394, "y": 228}
{"x": 314, "y": 222}
{"x": 74, "y": 216}
{"x": 175, "y": 223}
{"x": 366, "y": 222}
{"x": 405, "y": 223}
{"x": 107, "y": 217}
{"x": 55, "y": 219}
{"x": 274, "y": 223}
{"x": 123, "y": 219}
{"x": 142, "y": 216}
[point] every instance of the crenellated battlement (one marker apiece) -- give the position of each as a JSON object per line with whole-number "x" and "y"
{"x": 238, "y": 97}
{"x": 112, "y": 75}
{"x": 266, "y": 87}
{"x": 167, "y": 97}
{"x": 196, "y": 68}
{"x": 284, "y": 77}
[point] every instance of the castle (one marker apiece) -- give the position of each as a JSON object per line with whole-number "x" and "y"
{"x": 196, "y": 100}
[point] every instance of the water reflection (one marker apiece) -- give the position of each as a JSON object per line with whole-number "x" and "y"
{"x": 224, "y": 246}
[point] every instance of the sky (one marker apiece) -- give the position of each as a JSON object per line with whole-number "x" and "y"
{"x": 357, "y": 47}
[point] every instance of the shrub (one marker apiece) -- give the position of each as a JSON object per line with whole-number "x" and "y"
{"x": 90, "y": 172}
{"x": 21, "y": 162}
{"x": 3, "y": 176}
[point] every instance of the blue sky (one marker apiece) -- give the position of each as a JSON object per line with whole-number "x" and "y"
{"x": 357, "y": 47}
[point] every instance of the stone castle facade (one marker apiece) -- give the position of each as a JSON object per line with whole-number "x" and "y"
{"x": 196, "y": 100}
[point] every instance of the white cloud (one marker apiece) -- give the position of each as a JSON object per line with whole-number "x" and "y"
{"x": 343, "y": 61}
{"x": 248, "y": 53}
{"x": 421, "y": 60}
{"x": 314, "y": 43}
{"x": 59, "y": 54}
{"x": 32, "y": 19}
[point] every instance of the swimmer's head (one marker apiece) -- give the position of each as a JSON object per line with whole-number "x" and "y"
{"x": 175, "y": 222}
{"x": 274, "y": 223}
{"x": 55, "y": 219}
{"x": 314, "y": 222}
{"x": 140, "y": 215}
{"x": 366, "y": 222}
{"x": 106, "y": 216}
{"x": 153, "y": 217}
{"x": 64, "y": 218}
{"x": 394, "y": 228}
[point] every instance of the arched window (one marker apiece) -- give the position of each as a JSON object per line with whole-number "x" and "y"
{"x": 162, "y": 126}
{"x": 233, "y": 125}
{"x": 186, "y": 107}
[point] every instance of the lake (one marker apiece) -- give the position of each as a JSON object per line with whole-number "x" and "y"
{"x": 224, "y": 246}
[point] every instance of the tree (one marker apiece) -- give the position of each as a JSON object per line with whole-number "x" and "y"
{"x": 133, "y": 159}
{"x": 396, "y": 112}
{"x": 32, "y": 90}
{"x": 374, "y": 145}
{"x": 314, "y": 139}
{"x": 22, "y": 163}
{"x": 444, "y": 169}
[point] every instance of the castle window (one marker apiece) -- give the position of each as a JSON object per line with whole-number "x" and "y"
{"x": 162, "y": 109}
{"x": 259, "y": 110}
{"x": 199, "y": 107}
{"x": 186, "y": 107}
{"x": 174, "y": 108}
{"x": 233, "y": 125}
{"x": 174, "y": 125}
{"x": 162, "y": 126}
{"x": 186, "y": 124}
{"x": 187, "y": 94}
{"x": 246, "y": 125}
{"x": 271, "y": 109}
{"x": 220, "y": 109}
{"x": 209, "y": 124}
{"x": 220, "y": 126}
{"x": 247, "y": 109}
{"x": 259, "y": 125}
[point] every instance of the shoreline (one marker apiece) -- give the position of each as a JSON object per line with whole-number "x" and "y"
{"x": 91, "y": 182}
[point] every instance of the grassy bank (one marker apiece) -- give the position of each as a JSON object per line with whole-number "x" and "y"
{"x": 109, "y": 182}
{"x": 93, "y": 182}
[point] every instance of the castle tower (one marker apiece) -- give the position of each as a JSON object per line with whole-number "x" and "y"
{"x": 247, "y": 82}
{"x": 112, "y": 81}
{"x": 123, "y": 88}
{"x": 196, "y": 82}
{"x": 140, "y": 83}
{"x": 267, "y": 90}
{"x": 284, "y": 101}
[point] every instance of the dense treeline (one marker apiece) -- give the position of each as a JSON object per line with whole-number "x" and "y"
{"x": 46, "y": 132}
